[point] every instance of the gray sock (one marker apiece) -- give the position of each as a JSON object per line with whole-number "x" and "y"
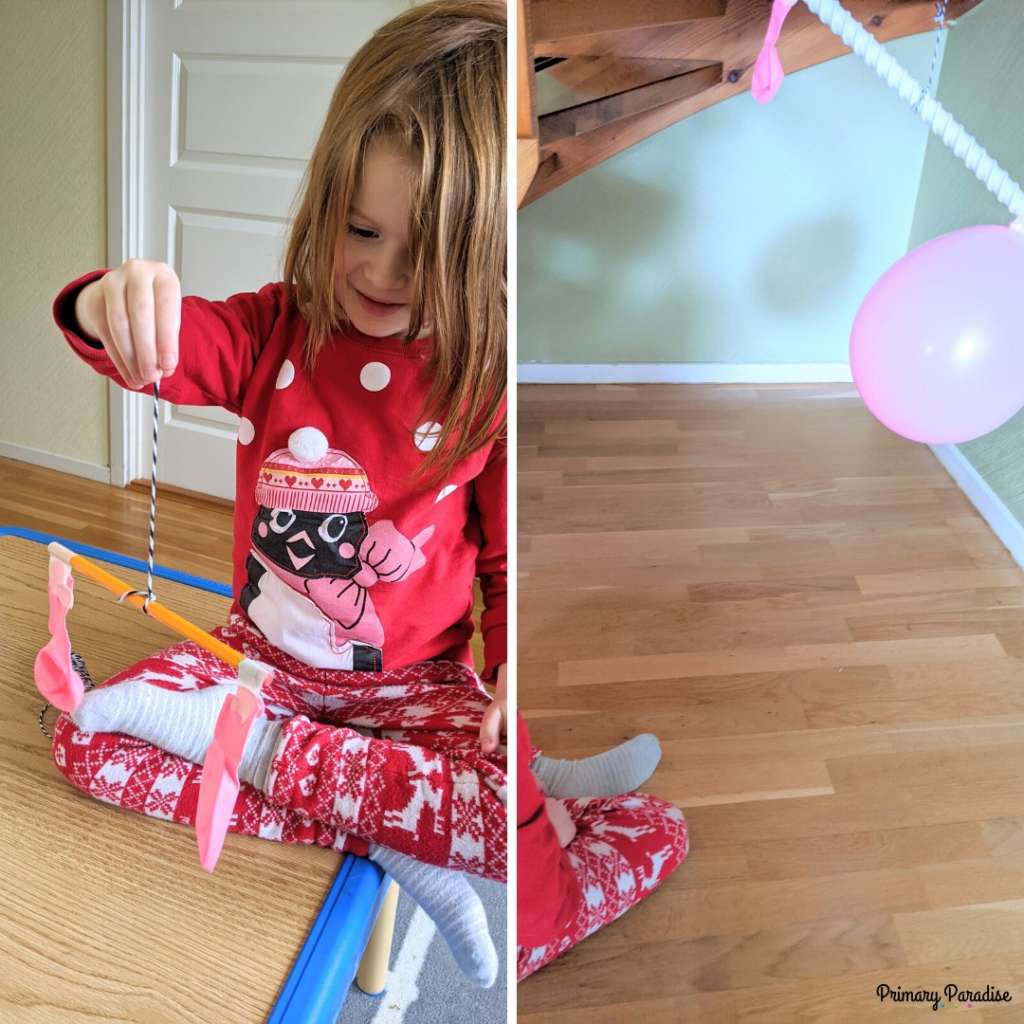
{"x": 452, "y": 904}
{"x": 181, "y": 723}
{"x": 619, "y": 770}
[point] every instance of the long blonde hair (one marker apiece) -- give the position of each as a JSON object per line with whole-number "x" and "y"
{"x": 432, "y": 83}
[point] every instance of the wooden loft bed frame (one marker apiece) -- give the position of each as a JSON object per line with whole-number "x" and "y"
{"x": 636, "y": 67}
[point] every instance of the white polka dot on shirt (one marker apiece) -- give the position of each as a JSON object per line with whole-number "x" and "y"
{"x": 285, "y": 375}
{"x": 375, "y": 376}
{"x": 445, "y": 491}
{"x": 427, "y": 435}
{"x": 246, "y": 431}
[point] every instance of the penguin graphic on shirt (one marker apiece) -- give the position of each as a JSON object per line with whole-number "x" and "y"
{"x": 315, "y": 557}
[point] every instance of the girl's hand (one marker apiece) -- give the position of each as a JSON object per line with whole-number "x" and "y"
{"x": 135, "y": 311}
{"x": 496, "y": 716}
{"x": 559, "y": 816}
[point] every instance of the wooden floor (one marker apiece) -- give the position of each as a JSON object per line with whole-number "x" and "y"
{"x": 193, "y": 534}
{"x": 827, "y": 639}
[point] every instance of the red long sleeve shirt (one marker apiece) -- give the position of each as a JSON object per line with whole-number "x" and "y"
{"x": 548, "y": 892}
{"x": 340, "y": 557}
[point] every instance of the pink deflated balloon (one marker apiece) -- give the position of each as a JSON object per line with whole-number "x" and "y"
{"x": 937, "y": 349}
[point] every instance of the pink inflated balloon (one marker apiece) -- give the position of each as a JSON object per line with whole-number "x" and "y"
{"x": 937, "y": 349}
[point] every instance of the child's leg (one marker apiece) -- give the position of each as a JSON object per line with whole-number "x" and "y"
{"x": 395, "y": 757}
{"x": 625, "y": 847}
{"x": 327, "y": 784}
{"x": 139, "y": 776}
{"x": 446, "y": 809}
{"x": 452, "y": 904}
{"x": 619, "y": 770}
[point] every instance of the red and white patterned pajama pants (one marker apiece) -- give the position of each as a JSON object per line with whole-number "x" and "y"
{"x": 624, "y": 848}
{"x": 387, "y": 757}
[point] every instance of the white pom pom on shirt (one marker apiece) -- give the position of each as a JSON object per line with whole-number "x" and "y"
{"x": 307, "y": 444}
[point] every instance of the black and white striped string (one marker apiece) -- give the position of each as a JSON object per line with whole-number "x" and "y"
{"x": 147, "y": 594}
{"x": 152, "y": 497}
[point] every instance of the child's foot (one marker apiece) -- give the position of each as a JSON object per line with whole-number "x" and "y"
{"x": 180, "y": 722}
{"x": 619, "y": 770}
{"x": 451, "y": 903}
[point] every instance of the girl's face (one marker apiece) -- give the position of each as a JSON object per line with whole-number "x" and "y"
{"x": 373, "y": 266}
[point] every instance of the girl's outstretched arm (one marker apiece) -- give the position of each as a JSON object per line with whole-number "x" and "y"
{"x": 218, "y": 343}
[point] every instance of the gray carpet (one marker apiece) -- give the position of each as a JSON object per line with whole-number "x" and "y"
{"x": 424, "y": 985}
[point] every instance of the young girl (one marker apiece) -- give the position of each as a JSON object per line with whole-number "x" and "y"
{"x": 588, "y": 847}
{"x": 371, "y": 487}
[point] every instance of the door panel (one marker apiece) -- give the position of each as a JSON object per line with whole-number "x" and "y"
{"x": 236, "y": 93}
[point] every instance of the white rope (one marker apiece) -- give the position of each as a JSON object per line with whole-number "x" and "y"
{"x": 939, "y": 120}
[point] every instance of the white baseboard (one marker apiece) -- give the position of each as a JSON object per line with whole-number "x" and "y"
{"x": 684, "y": 373}
{"x": 1004, "y": 524}
{"x": 61, "y": 463}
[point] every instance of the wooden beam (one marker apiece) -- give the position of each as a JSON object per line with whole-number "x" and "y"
{"x": 596, "y": 114}
{"x": 555, "y": 19}
{"x": 736, "y": 40}
{"x": 526, "y": 118}
{"x": 737, "y": 36}
{"x": 527, "y": 146}
{"x": 527, "y": 160}
{"x": 593, "y": 78}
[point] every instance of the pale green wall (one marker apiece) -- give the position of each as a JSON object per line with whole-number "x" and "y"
{"x": 744, "y": 234}
{"x": 982, "y": 86}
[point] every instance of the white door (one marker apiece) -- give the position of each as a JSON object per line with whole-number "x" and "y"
{"x": 235, "y": 92}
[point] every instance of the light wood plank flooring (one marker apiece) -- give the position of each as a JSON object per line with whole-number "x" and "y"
{"x": 827, "y": 639}
{"x": 193, "y": 533}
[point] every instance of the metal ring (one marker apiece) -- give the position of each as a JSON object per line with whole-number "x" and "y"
{"x": 146, "y": 595}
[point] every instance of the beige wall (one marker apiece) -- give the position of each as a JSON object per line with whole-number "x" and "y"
{"x": 52, "y": 219}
